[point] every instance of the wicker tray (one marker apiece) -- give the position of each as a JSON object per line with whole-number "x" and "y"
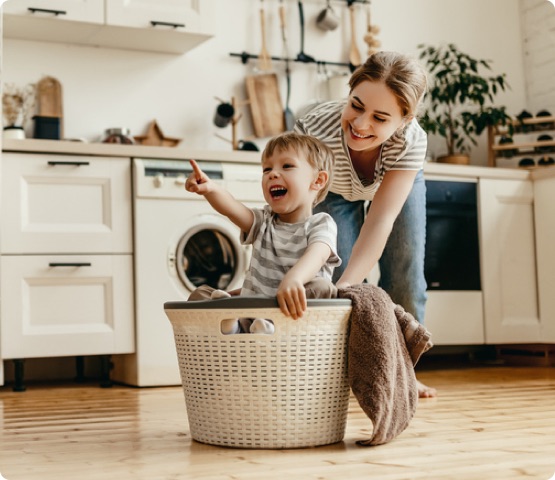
{"x": 285, "y": 390}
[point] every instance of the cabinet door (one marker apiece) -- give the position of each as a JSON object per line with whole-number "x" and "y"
{"x": 65, "y": 204}
{"x": 508, "y": 261}
{"x": 544, "y": 200}
{"x": 90, "y": 11}
{"x": 141, "y": 13}
{"x": 67, "y": 305}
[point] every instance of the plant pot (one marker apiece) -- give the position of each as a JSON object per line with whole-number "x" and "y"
{"x": 13, "y": 132}
{"x": 458, "y": 158}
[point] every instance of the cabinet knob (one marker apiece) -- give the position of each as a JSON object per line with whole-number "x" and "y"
{"x": 158, "y": 180}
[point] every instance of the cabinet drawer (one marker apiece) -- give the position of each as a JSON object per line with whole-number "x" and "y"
{"x": 51, "y": 307}
{"x": 65, "y": 204}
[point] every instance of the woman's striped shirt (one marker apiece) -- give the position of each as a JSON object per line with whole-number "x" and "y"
{"x": 403, "y": 151}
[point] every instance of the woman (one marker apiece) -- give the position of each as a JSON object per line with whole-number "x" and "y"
{"x": 380, "y": 151}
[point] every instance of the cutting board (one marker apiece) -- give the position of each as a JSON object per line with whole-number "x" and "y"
{"x": 265, "y": 102}
{"x": 49, "y": 97}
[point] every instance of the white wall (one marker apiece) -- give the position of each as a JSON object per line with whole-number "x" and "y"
{"x": 106, "y": 88}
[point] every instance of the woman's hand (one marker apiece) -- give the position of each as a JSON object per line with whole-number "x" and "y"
{"x": 291, "y": 297}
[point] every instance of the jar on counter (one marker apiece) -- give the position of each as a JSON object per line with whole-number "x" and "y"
{"x": 117, "y": 135}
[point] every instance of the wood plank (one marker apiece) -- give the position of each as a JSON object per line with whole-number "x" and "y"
{"x": 496, "y": 422}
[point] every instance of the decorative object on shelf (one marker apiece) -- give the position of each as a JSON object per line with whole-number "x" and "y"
{"x": 530, "y": 150}
{"x": 232, "y": 106}
{"x": 544, "y": 161}
{"x": 544, "y": 148}
{"x": 155, "y": 137}
{"x": 371, "y": 31}
{"x": 457, "y": 99}
{"x": 549, "y": 124}
{"x": 17, "y": 105}
{"x": 118, "y": 135}
{"x": 50, "y": 105}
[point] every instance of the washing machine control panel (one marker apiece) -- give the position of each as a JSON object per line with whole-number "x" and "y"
{"x": 166, "y": 178}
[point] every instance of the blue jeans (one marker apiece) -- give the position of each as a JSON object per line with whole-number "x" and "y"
{"x": 402, "y": 261}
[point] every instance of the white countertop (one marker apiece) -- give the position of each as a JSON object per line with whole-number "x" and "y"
{"x": 179, "y": 153}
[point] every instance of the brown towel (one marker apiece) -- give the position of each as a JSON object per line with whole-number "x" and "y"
{"x": 385, "y": 342}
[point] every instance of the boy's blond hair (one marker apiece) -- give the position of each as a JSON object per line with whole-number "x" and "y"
{"x": 316, "y": 153}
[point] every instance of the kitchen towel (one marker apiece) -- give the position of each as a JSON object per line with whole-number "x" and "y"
{"x": 385, "y": 343}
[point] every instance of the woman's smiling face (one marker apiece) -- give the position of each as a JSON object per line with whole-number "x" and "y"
{"x": 371, "y": 116}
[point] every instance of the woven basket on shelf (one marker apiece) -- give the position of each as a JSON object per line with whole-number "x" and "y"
{"x": 285, "y": 390}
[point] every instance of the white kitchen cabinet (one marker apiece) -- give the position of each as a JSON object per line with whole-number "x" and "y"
{"x": 167, "y": 26}
{"x": 90, "y": 11}
{"x": 66, "y": 305}
{"x": 544, "y": 198}
{"x": 141, "y": 13}
{"x": 66, "y": 269}
{"x": 65, "y": 204}
{"x": 508, "y": 261}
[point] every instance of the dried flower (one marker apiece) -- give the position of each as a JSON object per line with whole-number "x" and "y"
{"x": 18, "y": 103}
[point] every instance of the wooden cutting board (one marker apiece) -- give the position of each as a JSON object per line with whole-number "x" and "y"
{"x": 265, "y": 102}
{"x": 49, "y": 98}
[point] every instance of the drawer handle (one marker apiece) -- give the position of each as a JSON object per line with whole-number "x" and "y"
{"x": 46, "y": 10}
{"x": 69, "y": 264}
{"x": 155, "y": 23}
{"x": 59, "y": 162}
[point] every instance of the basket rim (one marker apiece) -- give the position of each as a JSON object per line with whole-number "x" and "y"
{"x": 249, "y": 302}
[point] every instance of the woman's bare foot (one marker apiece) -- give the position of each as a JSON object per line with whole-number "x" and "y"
{"x": 425, "y": 391}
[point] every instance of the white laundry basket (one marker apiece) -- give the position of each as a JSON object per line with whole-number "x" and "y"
{"x": 286, "y": 390}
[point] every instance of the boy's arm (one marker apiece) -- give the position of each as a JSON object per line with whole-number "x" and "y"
{"x": 291, "y": 293}
{"x": 220, "y": 199}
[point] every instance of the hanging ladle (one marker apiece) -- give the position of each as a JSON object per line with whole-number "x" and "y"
{"x": 301, "y": 56}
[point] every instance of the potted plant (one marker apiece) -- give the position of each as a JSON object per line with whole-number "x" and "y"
{"x": 17, "y": 106}
{"x": 460, "y": 99}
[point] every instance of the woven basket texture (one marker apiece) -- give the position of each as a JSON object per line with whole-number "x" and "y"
{"x": 286, "y": 390}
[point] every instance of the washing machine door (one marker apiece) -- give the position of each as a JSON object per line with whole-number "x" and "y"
{"x": 210, "y": 254}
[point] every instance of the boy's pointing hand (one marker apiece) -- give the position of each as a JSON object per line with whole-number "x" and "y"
{"x": 198, "y": 181}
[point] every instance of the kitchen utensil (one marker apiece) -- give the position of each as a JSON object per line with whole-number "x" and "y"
{"x": 371, "y": 32}
{"x": 49, "y": 95}
{"x": 327, "y": 19}
{"x": 224, "y": 114}
{"x": 354, "y": 53}
{"x": 301, "y": 56}
{"x": 264, "y": 59}
{"x": 265, "y": 103}
{"x": 288, "y": 115}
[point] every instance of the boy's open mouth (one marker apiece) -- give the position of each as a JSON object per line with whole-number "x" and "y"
{"x": 277, "y": 191}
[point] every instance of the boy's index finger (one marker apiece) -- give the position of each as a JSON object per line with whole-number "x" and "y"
{"x": 196, "y": 169}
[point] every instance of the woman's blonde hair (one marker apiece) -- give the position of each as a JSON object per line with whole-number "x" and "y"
{"x": 403, "y": 75}
{"x": 316, "y": 153}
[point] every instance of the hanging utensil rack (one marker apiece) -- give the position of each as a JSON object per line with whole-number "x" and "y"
{"x": 245, "y": 57}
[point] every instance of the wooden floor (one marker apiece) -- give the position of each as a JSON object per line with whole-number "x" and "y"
{"x": 488, "y": 423}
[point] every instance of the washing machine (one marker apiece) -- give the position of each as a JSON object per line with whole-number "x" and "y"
{"x": 180, "y": 244}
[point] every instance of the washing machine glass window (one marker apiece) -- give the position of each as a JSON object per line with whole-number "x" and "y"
{"x": 207, "y": 257}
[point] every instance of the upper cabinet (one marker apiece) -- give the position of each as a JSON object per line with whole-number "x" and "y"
{"x": 91, "y": 11}
{"x": 166, "y": 26}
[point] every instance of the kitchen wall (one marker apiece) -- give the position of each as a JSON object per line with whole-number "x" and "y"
{"x": 105, "y": 88}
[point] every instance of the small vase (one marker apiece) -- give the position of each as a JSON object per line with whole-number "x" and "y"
{"x": 13, "y": 132}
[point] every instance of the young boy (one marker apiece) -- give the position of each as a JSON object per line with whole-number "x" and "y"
{"x": 294, "y": 250}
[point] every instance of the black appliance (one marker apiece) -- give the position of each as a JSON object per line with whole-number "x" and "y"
{"x": 452, "y": 259}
